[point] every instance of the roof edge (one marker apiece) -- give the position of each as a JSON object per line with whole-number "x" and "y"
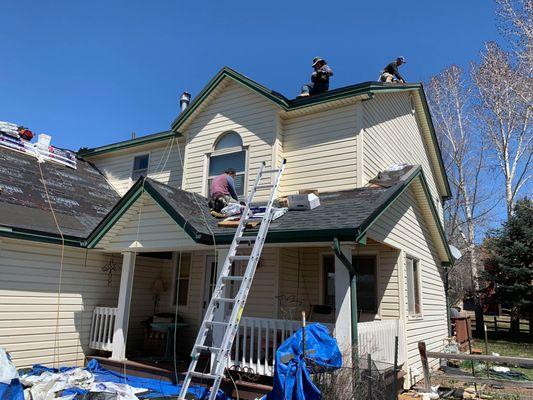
{"x": 42, "y": 237}
{"x": 155, "y": 137}
{"x": 417, "y": 173}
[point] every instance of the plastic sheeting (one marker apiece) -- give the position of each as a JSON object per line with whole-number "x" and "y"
{"x": 292, "y": 376}
{"x": 10, "y": 386}
{"x": 106, "y": 379}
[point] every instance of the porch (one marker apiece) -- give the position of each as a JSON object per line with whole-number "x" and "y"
{"x": 289, "y": 280}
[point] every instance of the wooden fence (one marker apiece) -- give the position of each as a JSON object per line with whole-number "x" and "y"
{"x": 500, "y": 323}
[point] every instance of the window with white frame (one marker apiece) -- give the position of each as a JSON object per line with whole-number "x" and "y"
{"x": 228, "y": 152}
{"x": 181, "y": 283}
{"x": 414, "y": 303}
{"x": 140, "y": 166}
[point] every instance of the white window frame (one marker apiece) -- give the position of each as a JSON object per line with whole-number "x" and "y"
{"x": 132, "y": 170}
{"x": 226, "y": 151}
{"x": 173, "y": 299}
{"x": 408, "y": 275}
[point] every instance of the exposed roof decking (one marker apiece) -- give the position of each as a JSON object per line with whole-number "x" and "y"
{"x": 80, "y": 197}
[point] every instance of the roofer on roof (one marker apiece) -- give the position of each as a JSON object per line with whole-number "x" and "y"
{"x": 390, "y": 72}
{"x": 222, "y": 191}
{"x": 319, "y": 78}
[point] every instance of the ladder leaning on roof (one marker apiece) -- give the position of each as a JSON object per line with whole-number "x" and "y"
{"x": 212, "y": 318}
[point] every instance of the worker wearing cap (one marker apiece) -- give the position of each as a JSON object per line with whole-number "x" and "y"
{"x": 390, "y": 72}
{"x": 319, "y": 78}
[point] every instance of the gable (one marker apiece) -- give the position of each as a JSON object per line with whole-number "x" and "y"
{"x": 145, "y": 225}
{"x": 231, "y": 108}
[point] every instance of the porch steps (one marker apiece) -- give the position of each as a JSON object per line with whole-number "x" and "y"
{"x": 222, "y": 307}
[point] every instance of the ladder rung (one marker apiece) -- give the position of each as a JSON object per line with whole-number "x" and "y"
{"x": 224, "y": 299}
{"x": 264, "y": 186}
{"x": 202, "y": 375}
{"x": 208, "y": 348}
{"x": 247, "y": 239}
{"x": 270, "y": 171}
{"x": 221, "y": 323}
{"x": 233, "y": 278}
{"x": 239, "y": 258}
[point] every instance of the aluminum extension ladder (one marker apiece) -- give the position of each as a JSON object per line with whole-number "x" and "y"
{"x": 215, "y": 315}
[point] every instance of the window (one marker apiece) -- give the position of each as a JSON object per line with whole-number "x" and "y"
{"x": 413, "y": 288}
{"x": 140, "y": 166}
{"x": 367, "y": 297}
{"x": 366, "y": 282}
{"x": 228, "y": 153}
{"x": 183, "y": 273}
{"x": 328, "y": 261}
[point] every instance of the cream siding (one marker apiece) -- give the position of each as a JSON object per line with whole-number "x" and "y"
{"x": 145, "y": 226}
{"x": 238, "y": 109}
{"x": 29, "y": 301}
{"x": 403, "y": 227}
{"x": 321, "y": 145}
{"x": 392, "y": 136}
{"x": 165, "y": 164}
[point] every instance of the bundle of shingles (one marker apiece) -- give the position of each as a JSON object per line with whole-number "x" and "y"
{"x": 19, "y": 138}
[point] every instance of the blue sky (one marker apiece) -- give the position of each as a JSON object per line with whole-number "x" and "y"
{"x": 91, "y": 73}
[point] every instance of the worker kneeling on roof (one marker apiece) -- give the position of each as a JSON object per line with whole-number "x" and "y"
{"x": 222, "y": 191}
{"x": 319, "y": 78}
{"x": 390, "y": 73}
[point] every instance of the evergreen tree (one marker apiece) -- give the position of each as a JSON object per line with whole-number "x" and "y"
{"x": 509, "y": 267}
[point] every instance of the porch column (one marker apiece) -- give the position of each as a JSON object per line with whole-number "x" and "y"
{"x": 343, "y": 322}
{"x": 123, "y": 309}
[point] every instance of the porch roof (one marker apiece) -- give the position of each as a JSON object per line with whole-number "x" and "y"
{"x": 346, "y": 215}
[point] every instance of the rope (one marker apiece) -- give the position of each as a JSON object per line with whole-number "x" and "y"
{"x": 56, "y": 336}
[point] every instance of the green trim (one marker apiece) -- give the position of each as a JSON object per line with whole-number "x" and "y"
{"x": 36, "y": 236}
{"x": 418, "y": 172}
{"x": 435, "y": 143}
{"x": 366, "y": 88}
{"x": 156, "y": 137}
{"x": 115, "y": 214}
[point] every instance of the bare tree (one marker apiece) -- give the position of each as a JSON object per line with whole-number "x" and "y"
{"x": 449, "y": 96}
{"x": 504, "y": 83}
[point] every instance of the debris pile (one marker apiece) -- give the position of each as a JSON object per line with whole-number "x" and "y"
{"x": 19, "y": 138}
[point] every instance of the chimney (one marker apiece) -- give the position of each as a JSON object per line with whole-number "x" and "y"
{"x": 185, "y": 99}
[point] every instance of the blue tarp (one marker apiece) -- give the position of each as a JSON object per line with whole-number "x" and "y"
{"x": 157, "y": 388}
{"x": 292, "y": 380}
{"x": 12, "y": 391}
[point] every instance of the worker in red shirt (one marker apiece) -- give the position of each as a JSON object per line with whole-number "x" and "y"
{"x": 222, "y": 190}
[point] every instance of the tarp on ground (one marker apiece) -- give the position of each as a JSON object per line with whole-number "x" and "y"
{"x": 156, "y": 388}
{"x": 292, "y": 374}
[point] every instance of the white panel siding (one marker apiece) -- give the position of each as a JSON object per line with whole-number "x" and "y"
{"x": 146, "y": 223}
{"x": 403, "y": 227}
{"x": 392, "y": 136}
{"x": 29, "y": 301}
{"x": 321, "y": 145}
{"x": 241, "y": 110}
{"x": 164, "y": 164}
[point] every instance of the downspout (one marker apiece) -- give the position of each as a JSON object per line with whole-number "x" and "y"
{"x": 353, "y": 300}
{"x": 446, "y": 267}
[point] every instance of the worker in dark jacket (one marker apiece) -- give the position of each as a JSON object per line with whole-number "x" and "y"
{"x": 390, "y": 72}
{"x": 319, "y": 78}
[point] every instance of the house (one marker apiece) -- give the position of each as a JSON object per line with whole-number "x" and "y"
{"x": 89, "y": 281}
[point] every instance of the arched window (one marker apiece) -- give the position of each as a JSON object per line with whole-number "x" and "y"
{"x": 228, "y": 152}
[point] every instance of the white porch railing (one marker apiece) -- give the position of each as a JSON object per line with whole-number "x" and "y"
{"x": 259, "y": 338}
{"x": 102, "y": 328}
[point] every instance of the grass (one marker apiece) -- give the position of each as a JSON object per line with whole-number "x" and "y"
{"x": 503, "y": 348}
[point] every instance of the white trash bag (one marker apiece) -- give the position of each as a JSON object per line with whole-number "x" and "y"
{"x": 8, "y": 372}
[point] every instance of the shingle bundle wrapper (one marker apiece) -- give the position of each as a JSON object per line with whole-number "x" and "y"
{"x": 292, "y": 376}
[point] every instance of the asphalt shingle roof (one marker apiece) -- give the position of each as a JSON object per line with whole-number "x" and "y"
{"x": 80, "y": 197}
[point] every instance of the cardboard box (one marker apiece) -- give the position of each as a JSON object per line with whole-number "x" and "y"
{"x": 303, "y": 201}
{"x": 308, "y": 191}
